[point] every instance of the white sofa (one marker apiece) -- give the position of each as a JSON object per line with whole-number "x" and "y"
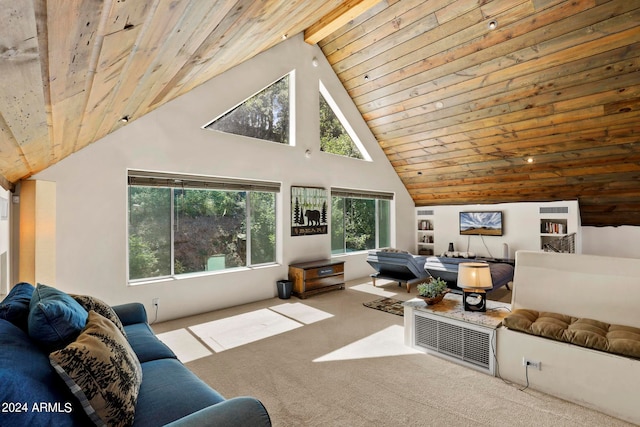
{"x": 584, "y": 286}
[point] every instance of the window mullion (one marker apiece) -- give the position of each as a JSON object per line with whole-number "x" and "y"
{"x": 173, "y": 226}
{"x": 248, "y": 226}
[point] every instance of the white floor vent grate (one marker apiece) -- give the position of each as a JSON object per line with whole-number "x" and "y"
{"x": 455, "y": 340}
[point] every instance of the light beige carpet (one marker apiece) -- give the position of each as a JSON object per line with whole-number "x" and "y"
{"x": 336, "y": 372}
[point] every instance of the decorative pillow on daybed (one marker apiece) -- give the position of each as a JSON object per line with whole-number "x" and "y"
{"x": 15, "y": 306}
{"x": 102, "y": 371}
{"x": 618, "y": 339}
{"x": 55, "y": 319}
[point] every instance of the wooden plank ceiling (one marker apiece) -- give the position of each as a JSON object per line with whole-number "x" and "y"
{"x": 458, "y": 108}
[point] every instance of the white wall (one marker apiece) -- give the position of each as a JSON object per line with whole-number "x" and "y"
{"x": 521, "y": 227}
{"x": 92, "y": 184}
{"x": 623, "y": 241}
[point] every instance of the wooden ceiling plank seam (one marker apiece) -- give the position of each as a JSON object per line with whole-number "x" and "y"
{"x": 404, "y": 26}
{"x": 123, "y": 22}
{"x": 527, "y": 60}
{"x": 376, "y": 16}
{"x": 176, "y": 53}
{"x": 506, "y": 41}
{"x": 262, "y": 40}
{"x": 337, "y": 18}
{"x": 411, "y": 52}
{"x": 115, "y": 52}
{"x": 601, "y": 92}
{"x": 157, "y": 26}
{"x": 22, "y": 102}
{"x": 523, "y": 89}
{"x": 40, "y": 12}
{"x": 549, "y": 160}
{"x": 611, "y": 139}
{"x": 71, "y": 50}
{"x": 416, "y": 56}
{"x": 523, "y": 148}
{"x": 519, "y": 80}
{"x": 199, "y": 72}
{"x": 522, "y": 132}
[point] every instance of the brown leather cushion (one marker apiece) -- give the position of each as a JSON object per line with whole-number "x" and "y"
{"x": 624, "y": 340}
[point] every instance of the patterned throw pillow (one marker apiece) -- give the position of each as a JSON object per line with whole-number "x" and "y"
{"x": 102, "y": 371}
{"x": 102, "y": 308}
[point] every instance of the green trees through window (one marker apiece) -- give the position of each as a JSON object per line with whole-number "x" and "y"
{"x": 263, "y": 116}
{"x": 359, "y": 224}
{"x": 177, "y": 231}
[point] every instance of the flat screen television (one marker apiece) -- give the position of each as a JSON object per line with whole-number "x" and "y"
{"x": 481, "y": 223}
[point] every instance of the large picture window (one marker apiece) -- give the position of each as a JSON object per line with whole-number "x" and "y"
{"x": 360, "y": 220}
{"x": 181, "y": 224}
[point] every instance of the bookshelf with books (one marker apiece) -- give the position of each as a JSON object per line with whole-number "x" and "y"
{"x": 425, "y": 231}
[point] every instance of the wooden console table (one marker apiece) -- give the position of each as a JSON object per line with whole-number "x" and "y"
{"x": 316, "y": 276}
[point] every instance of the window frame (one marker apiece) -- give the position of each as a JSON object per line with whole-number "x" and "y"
{"x": 173, "y": 181}
{"x": 376, "y": 196}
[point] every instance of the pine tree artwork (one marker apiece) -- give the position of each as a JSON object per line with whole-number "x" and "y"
{"x": 308, "y": 211}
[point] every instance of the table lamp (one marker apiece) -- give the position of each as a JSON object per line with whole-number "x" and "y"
{"x": 474, "y": 278}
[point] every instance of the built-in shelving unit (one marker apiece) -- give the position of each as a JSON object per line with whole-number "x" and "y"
{"x": 425, "y": 232}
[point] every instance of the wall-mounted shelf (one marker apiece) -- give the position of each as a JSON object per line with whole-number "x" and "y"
{"x": 425, "y": 232}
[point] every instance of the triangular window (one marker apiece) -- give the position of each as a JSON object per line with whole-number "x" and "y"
{"x": 336, "y": 136}
{"x": 265, "y": 115}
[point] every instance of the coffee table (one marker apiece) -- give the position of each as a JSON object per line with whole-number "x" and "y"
{"x": 447, "y": 330}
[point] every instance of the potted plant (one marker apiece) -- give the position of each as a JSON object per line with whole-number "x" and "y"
{"x": 433, "y": 291}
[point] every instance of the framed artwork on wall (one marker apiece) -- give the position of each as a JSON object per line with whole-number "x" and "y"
{"x": 308, "y": 211}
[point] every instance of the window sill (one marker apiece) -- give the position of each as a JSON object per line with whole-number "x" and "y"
{"x": 200, "y": 274}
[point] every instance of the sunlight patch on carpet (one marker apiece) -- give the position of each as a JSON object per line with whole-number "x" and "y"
{"x": 301, "y": 312}
{"x": 242, "y": 329}
{"x": 375, "y": 290}
{"x": 387, "y": 342}
{"x": 184, "y": 345}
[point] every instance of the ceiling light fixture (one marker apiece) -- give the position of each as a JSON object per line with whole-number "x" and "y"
{"x": 124, "y": 119}
{"x": 366, "y": 76}
{"x": 493, "y": 24}
{"x": 284, "y": 37}
{"x": 529, "y": 159}
{"x": 314, "y": 61}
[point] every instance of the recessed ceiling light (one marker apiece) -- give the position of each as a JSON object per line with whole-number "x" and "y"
{"x": 529, "y": 159}
{"x": 284, "y": 37}
{"x": 493, "y": 24}
{"x": 419, "y": 172}
{"x": 366, "y": 76}
{"x": 124, "y": 119}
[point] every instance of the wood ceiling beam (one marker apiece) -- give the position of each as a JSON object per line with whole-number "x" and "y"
{"x": 335, "y": 19}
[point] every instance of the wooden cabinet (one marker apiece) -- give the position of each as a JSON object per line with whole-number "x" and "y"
{"x": 316, "y": 276}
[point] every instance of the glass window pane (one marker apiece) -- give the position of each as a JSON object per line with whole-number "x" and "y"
{"x": 360, "y": 224}
{"x": 384, "y": 223}
{"x": 337, "y": 225}
{"x": 209, "y": 230}
{"x": 149, "y": 232}
{"x": 263, "y": 227}
{"x": 263, "y": 116}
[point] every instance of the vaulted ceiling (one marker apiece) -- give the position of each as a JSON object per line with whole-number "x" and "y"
{"x": 545, "y": 106}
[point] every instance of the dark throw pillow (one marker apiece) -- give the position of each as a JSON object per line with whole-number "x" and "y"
{"x": 15, "y": 306}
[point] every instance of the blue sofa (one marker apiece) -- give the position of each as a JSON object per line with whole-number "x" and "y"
{"x": 33, "y": 394}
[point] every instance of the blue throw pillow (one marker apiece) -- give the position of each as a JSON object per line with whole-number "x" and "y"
{"x": 15, "y": 306}
{"x": 55, "y": 318}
